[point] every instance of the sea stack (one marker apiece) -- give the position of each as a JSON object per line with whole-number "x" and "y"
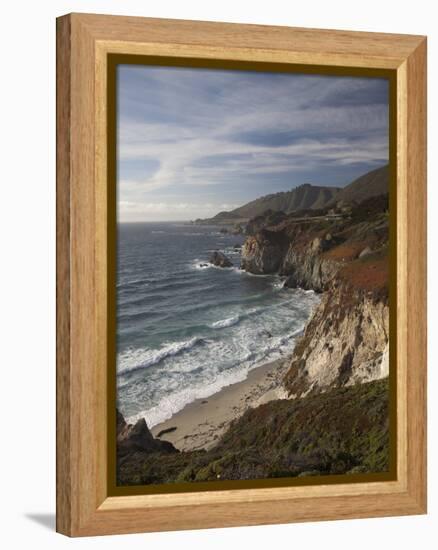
{"x": 220, "y": 260}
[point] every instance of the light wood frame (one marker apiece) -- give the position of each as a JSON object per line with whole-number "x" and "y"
{"x": 83, "y": 504}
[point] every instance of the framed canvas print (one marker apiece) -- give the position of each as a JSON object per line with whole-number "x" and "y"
{"x": 241, "y": 244}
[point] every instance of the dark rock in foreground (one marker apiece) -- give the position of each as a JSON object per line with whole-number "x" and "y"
{"x": 137, "y": 437}
{"x": 220, "y": 260}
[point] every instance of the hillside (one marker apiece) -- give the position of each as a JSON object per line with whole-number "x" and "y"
{"x": 369, "y": 185}
{"x": 304, "y": 197}
{"x": 307, "y": 198}
{"x": 301, "y": 198}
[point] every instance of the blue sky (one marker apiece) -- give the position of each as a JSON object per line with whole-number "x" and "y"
{"x": 193, "y": 142}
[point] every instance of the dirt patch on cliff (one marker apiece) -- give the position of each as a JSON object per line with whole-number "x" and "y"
{"x": 370, "y": 274}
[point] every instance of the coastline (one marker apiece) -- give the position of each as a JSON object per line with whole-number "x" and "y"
{"x": 201, "y": 423}
{"x": 251, "y": 429}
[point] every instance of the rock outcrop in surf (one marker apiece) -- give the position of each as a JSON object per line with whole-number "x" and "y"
{"x": 219, "y": 259}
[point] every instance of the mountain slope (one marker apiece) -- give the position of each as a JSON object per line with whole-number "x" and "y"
{"x": 369, "y": 185}
{"x": 308, "y": 197}
{"x": 301, "y": 198}
{"x": 304, "y": 197}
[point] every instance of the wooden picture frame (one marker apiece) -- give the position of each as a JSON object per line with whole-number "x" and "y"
{"x": 84, "y": 506}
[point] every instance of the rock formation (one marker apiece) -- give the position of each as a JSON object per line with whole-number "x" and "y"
{"x": 137, "y": 437}
{"x": 220, "y": 260}
{"x": 264, "y": 252}
{"x": 343, "y": 344}
{"x": 346, "y": 258}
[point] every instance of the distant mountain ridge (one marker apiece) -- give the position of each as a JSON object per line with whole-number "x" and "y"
{"x": 303, "y": 197}
{"x": 309, "y": 197}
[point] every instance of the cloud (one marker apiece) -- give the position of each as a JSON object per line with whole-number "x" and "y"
{"x": 192, "y": 135}
{"x": 157, "y": 211}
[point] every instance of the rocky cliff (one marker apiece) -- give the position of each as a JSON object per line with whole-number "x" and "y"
{"x": 346, "y": 258}
{"x": 296, "y": 254}
{"x": 345, "y": 342}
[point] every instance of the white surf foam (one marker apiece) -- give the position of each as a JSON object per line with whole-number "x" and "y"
{"x": 174, "y": 401}
{"x": 134, "y": 359}
{"x": 168, "y": 406}
{"x": 262, "y": 334}
{"x": 229, "y": 322}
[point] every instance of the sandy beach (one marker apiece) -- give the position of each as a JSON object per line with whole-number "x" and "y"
{"x": 201, "y": 423}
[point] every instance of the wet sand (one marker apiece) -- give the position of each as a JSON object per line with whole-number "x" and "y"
{"x": 201, "y": 423}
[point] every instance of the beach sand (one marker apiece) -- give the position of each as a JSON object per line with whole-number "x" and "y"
{"x": 201, "y": 423}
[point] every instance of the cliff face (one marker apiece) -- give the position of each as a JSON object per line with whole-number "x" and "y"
{"x": 311, "y": 251}
{"x": 264, "y": 252}
{"x": 303, "y": 264}
{"x": 306, "y": 266}
{"x": 346, "y": 341}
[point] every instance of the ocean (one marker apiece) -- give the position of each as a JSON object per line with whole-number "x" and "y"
{"x": 185, "y": 331}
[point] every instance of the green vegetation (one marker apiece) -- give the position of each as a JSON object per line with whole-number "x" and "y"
{"x": 342, "y": 431}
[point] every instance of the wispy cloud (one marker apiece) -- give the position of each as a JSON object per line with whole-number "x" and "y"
{"x": 194, "y": 137}
{"x": 160, "y": 211}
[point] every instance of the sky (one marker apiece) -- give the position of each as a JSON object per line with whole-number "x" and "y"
{"x": 194, "y": 142}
